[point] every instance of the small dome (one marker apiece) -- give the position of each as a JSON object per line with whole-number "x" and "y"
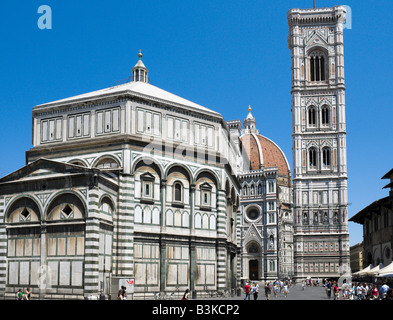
{"x": 262, "y": 152}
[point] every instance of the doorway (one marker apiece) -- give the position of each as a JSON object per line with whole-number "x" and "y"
{"x": 253, "y": 269}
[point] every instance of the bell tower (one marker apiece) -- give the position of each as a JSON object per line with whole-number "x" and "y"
{"x": 321, "y": 238}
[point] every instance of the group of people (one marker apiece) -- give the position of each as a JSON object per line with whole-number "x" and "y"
{"x": 122, "y": 294}
{"x": 20, "y": 295}
{"x": 358, "y": 291}
{"x": 251, "y": 288}
{"x": 278, "y": 286}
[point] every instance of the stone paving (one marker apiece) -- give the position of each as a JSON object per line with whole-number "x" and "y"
{"x": 294, "y": 293}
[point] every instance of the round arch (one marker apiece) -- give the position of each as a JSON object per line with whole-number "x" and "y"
{"x": 148, "y": 161}
{"x": 186, "y": 170}
{"x": 108, "y": 199}
{"x": 106, "y": 156}
{"x": 78, "y": 160}
{"x": 28, "y": 200}
{"x": 213, "y": 174}
{"x": 52, "y": 202}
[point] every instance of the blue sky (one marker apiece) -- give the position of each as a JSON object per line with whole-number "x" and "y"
{"x": 224, "y": 55}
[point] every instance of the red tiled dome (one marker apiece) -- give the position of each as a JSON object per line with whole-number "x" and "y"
{"x": 264, "y": 152}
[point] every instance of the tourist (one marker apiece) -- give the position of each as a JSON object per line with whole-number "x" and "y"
{"x": 367, "y": 291}
{"x": 185, "y": 295}
{"x": 336, "y": 291}
{"x": 352, "y": 292}
{"x": 268, "y": 291}
{"x": 122, "y": 294}
{"x": 285, "y": 290}
{"x": 275, "y": 289}
{"x": 360, "y": 290}
{"x": 28, "y": 294}
{"x": 329, "y": 289}
{"x": 247, "y": 291}
{"x": 383, "y": 290}
{"x": 19, "y": 295}
{"x": 374, "y": 292}
{"x": 255, "y": 290}
{"x": 345, "y": 290}
{"x": 389, "y": 294}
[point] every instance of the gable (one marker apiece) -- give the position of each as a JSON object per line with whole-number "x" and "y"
{"x": 44, "y": 168}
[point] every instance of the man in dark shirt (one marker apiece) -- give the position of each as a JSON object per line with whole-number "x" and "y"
{"x": 267, "y": 291}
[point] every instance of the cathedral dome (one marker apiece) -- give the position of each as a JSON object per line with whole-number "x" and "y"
{"x": 262, "y": 152}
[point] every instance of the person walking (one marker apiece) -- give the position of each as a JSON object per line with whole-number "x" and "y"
{"x": 28, "y": 294}
{"x": 247, "y": 291}
{"x": 255, "y": 290}
{"x": 389, "y": 294}
{"x": 285, "y": 289}
{"x": 360, "y": 289}
{"x": 275, "y": 289}
{"x": 122, "y": 294}
{"x": 374, "y": 292}
{"x": 268, "y": 291}
{"x": 19, "y": 295}
{"x": 383, "y": 290}
{"x": 336, "y": 291}
{"x": 329, "y": 289}
{"x": 186, "y": 294}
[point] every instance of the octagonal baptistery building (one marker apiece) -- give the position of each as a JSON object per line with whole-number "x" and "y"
{"x": 266, "y": 206}
{"x": 130, "y": 186}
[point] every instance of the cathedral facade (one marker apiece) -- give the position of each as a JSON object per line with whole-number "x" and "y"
{"x": 266, "y": 226}
{"x": 132, "y": 185}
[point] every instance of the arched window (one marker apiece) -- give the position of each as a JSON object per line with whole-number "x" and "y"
{"x": 325, "y": 116}
{"x": 312, "y": 158}
{"x": 317, "y": 66}
{"x": 107, "y": 163}
{"x": 312, "y": 117}
{"x": 178, "y": 192}
{"x": 326, "y": 157}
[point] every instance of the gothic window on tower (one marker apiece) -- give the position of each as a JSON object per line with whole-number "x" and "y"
{"x": 317, "y": 60}
{"x": 312, "y": 119}
{"x": 326, "y": 158}
{"x": 325, "y": 116}
{"x": 312, "y": 158}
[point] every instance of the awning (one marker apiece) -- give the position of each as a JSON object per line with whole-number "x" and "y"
{"x": 387, "y": 270}
{"x": 374, "y": 271}
{"x": 362, "y": 272}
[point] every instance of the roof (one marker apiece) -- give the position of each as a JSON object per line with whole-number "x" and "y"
{"x": 359, "y": 217}
{"x": 263, "y": 152}
{"x": 139, "y": 89}
{"x": 45, "y": 170}
{"x": 388, "y": 175}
